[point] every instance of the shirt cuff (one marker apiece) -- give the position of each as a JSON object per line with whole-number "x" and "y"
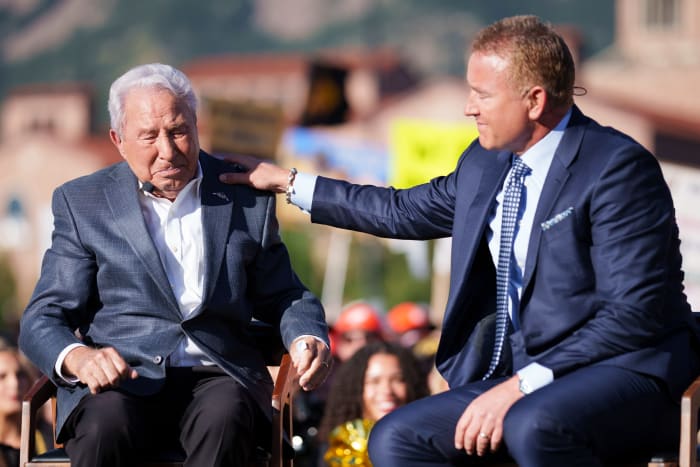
{"x": 315, "y": 337}
{"x": 303, "y": 193}
{"x": 59, "y": 363}
{"x": 536, "y": 376}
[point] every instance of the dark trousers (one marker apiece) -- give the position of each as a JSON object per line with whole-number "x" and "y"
{"x": 201, "y": 411}
{"x": 596, "y": 414}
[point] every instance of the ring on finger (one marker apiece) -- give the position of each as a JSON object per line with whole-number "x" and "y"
{"x": 483, "y": 435}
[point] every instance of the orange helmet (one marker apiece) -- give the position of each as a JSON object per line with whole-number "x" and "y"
{"x": 358, "y": 316}
{"x": 407, "y": 316}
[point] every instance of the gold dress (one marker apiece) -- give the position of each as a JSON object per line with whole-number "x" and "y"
{"x": 348, "y": 444}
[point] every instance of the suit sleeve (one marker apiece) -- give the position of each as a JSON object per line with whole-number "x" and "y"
{"x": 419, "y": 213}
{"x": 63, "y": 292}
{"x": 279, "y": 295}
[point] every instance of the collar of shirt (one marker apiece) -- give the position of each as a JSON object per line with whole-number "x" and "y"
{"x": 539, "y": 157}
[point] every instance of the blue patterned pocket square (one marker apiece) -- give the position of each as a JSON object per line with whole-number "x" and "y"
{"x": 549, "y": 223}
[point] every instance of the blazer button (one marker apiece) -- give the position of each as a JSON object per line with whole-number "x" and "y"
{"x": 157, "y": 359}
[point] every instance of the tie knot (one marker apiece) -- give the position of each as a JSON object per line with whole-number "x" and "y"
{"x": 519, "y": 169}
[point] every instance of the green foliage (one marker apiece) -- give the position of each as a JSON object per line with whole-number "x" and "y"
{"x": 8, "y": 291}
{"x": 374, "y": 273}
{"x": 299, "y": 243}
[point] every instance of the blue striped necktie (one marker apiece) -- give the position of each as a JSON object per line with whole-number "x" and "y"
{"x": 511, "y": 210}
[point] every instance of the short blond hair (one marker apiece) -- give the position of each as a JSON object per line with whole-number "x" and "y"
{"x": 536, "y": 55}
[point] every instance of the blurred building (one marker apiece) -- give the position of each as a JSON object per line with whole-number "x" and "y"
{"x": 646, "y": 85}
{"x": 45, "y": 140}
{"x": 365, "y": 79}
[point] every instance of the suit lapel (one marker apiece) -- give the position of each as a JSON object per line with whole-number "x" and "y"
{"x": 217, "y": 210}
{"x": 556, "y": 179}
{"x": 122, "y": 197}
{"x": 472, "y": 226}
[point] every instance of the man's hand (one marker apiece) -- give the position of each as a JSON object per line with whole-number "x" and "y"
{"x": 98, "y": 369}
{"x": 312, "y": 360}
{"x": 480, "y": 427}
{"x": 258, "y": 173}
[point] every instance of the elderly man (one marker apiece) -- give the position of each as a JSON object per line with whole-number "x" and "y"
{"x": 567, "y": 337}
{"x": 141, "y": 314}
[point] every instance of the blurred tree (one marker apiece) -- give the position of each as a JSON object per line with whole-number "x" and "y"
{"x": 374, "y": 272}
{"x": 8, "y": 293}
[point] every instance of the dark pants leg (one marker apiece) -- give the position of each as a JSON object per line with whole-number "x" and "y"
{"x": 591, "y": 414}
{"x": 108, "y": 429}
{"x": 422, "y": 433}
{"x": 214, "y": 418}
{"x": 219, "y": 424}
{"x": 596, "y": 414}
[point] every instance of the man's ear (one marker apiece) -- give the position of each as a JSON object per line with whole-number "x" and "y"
{"x": 536, "y": 101}
{"x": 116, "y": 141}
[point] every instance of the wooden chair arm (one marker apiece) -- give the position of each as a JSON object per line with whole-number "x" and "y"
{"x": 285, "y": 384}
{"x": 41, "y": 391}
{"x": 689, "y": 425}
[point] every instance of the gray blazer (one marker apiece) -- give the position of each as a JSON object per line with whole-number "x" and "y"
{"x": 102, "y": 279}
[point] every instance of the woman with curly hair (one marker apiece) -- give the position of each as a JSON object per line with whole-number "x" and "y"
{"x": 377, "y": 379}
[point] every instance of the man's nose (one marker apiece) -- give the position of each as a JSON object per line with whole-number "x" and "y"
{"x": 469, "y": 107}
{"x": 166, "y": 147}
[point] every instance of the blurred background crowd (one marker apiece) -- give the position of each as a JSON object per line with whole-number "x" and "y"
{"x": 369, "y": 90}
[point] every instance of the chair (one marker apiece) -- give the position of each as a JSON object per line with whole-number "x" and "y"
{"x": 44, "y": 391}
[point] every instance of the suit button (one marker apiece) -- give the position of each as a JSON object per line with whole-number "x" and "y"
{"x": 157, "y": 359}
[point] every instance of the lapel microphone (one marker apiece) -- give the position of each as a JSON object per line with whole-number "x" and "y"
{"x": 148, "y": 187}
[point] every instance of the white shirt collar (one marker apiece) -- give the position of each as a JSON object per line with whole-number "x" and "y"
{"x": 539, "y": 157}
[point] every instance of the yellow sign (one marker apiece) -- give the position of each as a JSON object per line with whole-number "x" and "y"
{"x": 244, "y": 127}
{"x": 422, "y": 150}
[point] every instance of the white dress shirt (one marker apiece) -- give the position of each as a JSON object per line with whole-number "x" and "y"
{"x": 176, "y": 230}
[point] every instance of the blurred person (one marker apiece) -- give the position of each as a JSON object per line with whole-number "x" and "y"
{"x": 567, "y": 337}
{"x": 377, "y": 379}
{"x": 16, "y": 376}
{"x": 409, "y": 324}
{"x": 156, "y": 269}
{"x": 358, "y": 324}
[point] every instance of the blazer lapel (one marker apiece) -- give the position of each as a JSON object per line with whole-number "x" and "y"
{"x": 217, "y": 210}
{"x": 122, "y": 197}
{"x": 471, "y": 227}
{"x": 556, "y": 178}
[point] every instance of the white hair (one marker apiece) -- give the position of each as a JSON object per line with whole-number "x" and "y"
{"x": 149, "y": 75}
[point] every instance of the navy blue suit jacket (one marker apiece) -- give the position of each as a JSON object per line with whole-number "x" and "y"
{"x": 602, "y": 281}
{"x": 103, "y": 277}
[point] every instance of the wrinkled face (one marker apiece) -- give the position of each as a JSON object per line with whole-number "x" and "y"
{"x": 500, "y": 110}
{"x": 159, "y": 139}
{"x": 14, "y": 382}
{"x": 384, "y": 386}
